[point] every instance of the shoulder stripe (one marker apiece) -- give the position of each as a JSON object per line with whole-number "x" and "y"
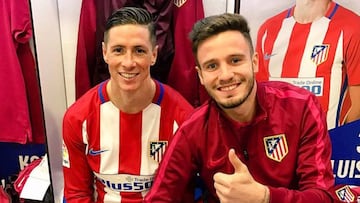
{"x": 161, "y": 95}
{"x": 289, "y": 13}
{"x": 100, "y": 92}
{"x": 333, "y": 11}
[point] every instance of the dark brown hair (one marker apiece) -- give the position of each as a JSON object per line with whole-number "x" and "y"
{"x": 131, "y": 15}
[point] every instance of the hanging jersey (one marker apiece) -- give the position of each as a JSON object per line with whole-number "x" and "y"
{"x": 322, "y": 56}
{"x": 21, "y": 118}
{"x": 183, "y": 76}
{"x": 122, "y": 151}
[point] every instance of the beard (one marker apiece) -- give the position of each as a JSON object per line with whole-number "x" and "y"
{"x": 236, "y": 101}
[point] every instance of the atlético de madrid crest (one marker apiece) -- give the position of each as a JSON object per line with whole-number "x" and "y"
{"x": 179, "y": 3}
{"x": 276, "y": 147}
{"x": 320, "y": 53}
{"x": 345, "y": 194}
{"x": 157, "y": 150}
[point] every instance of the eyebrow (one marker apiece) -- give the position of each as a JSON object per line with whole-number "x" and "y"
{"x": 208, "y": 62}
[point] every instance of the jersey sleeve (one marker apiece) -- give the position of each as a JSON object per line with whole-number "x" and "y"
{"x": 78, "y": 177}
{"x": 313, "y": 165}
{"x": 173, "y": 181}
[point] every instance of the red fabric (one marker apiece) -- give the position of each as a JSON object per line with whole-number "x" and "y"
{"x": 183, "y": 76}
{"x": 24, "y": 175}
{"x": 20, "y": 97}
{"x": 33, "y": 93}
{"x": 4, "y": 197}
{"x": 15, "y": 29}
{"x": 85, "y": 47}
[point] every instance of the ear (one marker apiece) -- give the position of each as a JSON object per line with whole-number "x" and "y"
{"x": 154, "y": 54}
{"x": 255, "y": 62}
{"x": 199, "y": 74}
{"x": 104, "y": 51}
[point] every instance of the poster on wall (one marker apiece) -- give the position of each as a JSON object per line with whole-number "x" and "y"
{"x": 346, "y": 138}
{"x": 256, "y": 14}
{"x": 346, "y": 153}
{"x": 353, "y": 5}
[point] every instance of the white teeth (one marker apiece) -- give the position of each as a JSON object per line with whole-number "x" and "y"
{"x": 228, "y": 88}
{"x": 128, "y": 75}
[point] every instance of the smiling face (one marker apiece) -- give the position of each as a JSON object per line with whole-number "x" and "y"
{"x": 129, "y": 53}
{"x": 227, "y": 68}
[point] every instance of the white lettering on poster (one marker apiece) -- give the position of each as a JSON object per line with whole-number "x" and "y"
{"x": 24, "y": 160}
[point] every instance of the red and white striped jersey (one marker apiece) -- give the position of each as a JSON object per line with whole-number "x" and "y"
{"x": 322, "y": 56}
{"x": 119, "y": 151}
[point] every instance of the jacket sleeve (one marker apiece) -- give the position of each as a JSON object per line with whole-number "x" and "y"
{"x": 174, "y": 179}
{"x": 78, "y": 177}
{"x": 314, "y": 169}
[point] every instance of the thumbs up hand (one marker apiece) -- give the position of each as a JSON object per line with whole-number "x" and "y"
{"x": 239, "y": 187}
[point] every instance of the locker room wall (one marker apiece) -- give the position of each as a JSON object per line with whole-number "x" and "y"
{"x": 51, "y": 75}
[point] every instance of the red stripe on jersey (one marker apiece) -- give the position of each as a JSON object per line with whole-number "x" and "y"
{"x": 263, "y": 73}
{"x": 325, "y": 68}
{"x": 130, "y": 141}
{"x": 130, "y": 149}
{"x": 165, "y": 130}
{"x": 298, "y": 42}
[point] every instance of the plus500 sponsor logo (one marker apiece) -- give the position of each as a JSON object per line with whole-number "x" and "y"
{"x": 133, "y": 186}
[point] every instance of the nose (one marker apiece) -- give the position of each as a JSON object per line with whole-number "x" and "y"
{"x": 225, "y": 73}
{"x": 128, "y": 60}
